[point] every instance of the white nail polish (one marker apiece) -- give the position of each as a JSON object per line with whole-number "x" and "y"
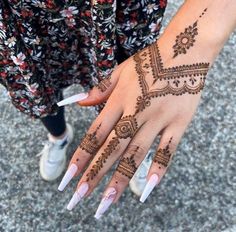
{"x": 72, "y": 99}
{"x": 152, "y": 182}
{"x": 68, "y": 176}
{"x": 107, "y": 200}
{"x": 78, "y": 195}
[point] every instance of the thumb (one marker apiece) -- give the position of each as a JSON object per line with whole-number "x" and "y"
{"x": 101, "y": 92}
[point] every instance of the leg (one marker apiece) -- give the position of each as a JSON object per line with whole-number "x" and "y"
{"x": 56, "y": 124}
{"x": 53, "y": 155}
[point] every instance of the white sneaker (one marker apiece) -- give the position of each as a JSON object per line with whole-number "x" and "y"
{"x": 138, "y": 181}
{"x": 53, "y": 156}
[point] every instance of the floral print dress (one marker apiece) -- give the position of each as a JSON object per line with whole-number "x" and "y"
{"x": 48, "y": 45}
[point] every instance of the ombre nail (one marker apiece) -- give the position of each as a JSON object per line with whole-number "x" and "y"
{"x": 68, "y": 176}
{"x": 152, "y": 182}
{"x": 107, "y": 200}
{"x": 78, "y": 195}
{"x": 72, "y": 99}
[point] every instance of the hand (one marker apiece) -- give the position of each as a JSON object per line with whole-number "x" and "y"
{"x": 147, "y": 95}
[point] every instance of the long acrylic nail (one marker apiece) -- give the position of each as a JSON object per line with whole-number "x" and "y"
{"x": 107, "y": 200}
{"x": 68, "y": 176}
{"x": 78, "y": 195}
{"x": 152, "y": 182}
{"x": 72, "y": 99}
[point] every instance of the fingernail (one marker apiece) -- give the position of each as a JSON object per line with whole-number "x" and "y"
{"x": 72, "y": 99}
{"x": 152, "y": 182}
{"x": 78, "y": 195}
{"x": 107, "y": 200}
{"x": 68, "y": 176}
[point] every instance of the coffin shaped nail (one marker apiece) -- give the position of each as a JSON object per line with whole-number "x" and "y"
{"x": 72, "y": 99}
{"x": 107, "y": 200}
{"x": 152, "y": 182}
{"x": 68, "y": 176}
{"x": 78, "y": 195}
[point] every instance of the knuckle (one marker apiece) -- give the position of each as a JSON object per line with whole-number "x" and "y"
{"x": 169, "y": 143}
{"x": 136, "y": 149}
{"x": 97, "y": 131}
{"x": 120, "y": 179}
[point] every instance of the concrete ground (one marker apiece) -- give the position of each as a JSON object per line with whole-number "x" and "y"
{"x": 197, "y": 194}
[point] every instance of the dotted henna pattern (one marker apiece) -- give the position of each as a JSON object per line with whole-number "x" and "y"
{"x": 126, "y": 127}
{"x": 177, "y": 80}
{"x": 127, "y": 165}
{"x": 102, "y": 159}
{"x": 90, "y": 142}
{"x": 163, "y": 155}
{"x": 186, "y": 39}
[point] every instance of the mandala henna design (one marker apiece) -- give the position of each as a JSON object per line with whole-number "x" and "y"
{"x": 127, "y": 165}
{"x": 90, "y": 142}
{"x": 178, "y": 80}
{"x": 186, "y": 39}
{"x": 104, "y": 84}
{"x": 102, "y": 159}
{"x": 163, "y": 155}
{"x": 126, "y": 127}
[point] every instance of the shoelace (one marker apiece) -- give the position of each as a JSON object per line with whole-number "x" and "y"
{"x": 47, "y": 147}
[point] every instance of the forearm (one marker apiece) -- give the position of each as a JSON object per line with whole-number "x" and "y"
{"x": 210, "y": 22}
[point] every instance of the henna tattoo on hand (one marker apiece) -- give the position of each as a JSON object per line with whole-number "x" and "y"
{"x": 178, "y": 80}
{"x": 186, "y": 39}
{"x": 163, "y": 155}
{"x": 126, "y": 127}
{"x": 104, "y": 84}
{"x": 161, "y": 73}
{"x": 90, "y": 142}
{"x": 102, "y": 158}
{"x": 127, "y": 165}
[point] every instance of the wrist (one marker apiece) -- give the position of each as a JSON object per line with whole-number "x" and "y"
{"x": 206, "y": 26}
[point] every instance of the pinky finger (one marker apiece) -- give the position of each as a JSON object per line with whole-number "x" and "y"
{"x": 161, "y": 161}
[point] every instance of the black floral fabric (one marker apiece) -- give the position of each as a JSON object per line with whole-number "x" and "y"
{"x": 48, "y": 45}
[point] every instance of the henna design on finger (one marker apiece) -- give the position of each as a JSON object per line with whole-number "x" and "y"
{"x": 186, "y": 39}
{"x": 127, "y": 165}
{"x": 163, "y": 155}
{"x": 102, "y": 158}
{"x": 126, "y": 127}
{"x": 90, "y": 142}
{"x": 175, "y": 81}
{"x": 179, "y": 80}
{"x": 104, "y": 84}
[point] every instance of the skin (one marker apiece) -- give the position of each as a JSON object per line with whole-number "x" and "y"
{"x": 167, "y": 116}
